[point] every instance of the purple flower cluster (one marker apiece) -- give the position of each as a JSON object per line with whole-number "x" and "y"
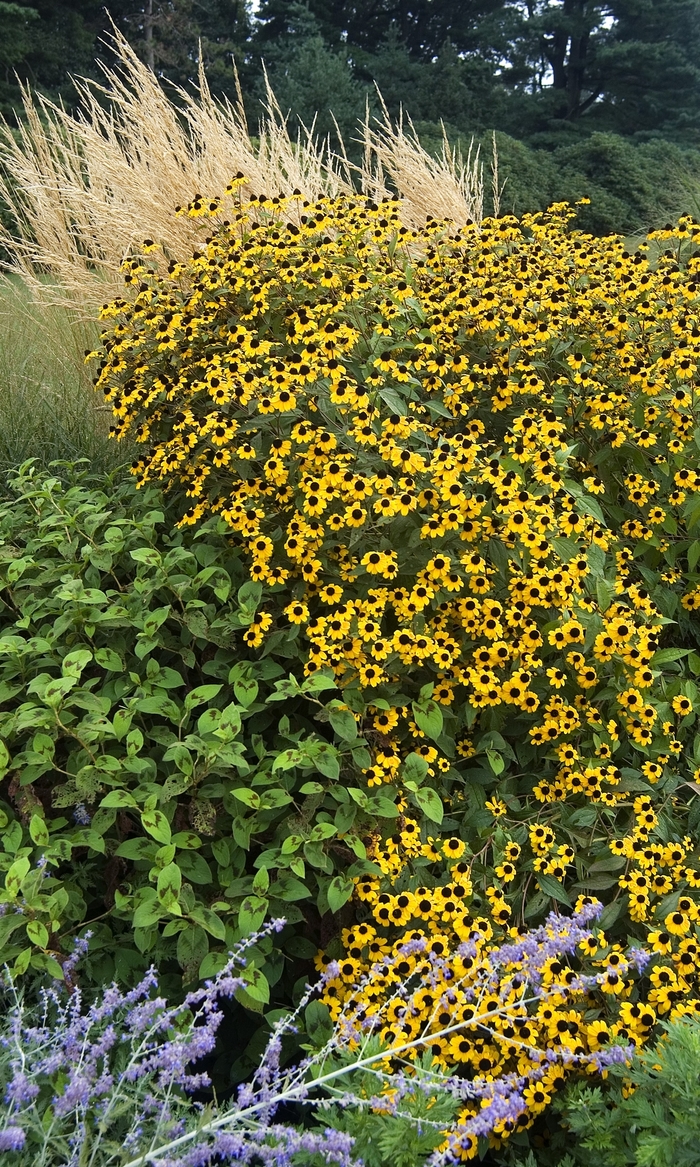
{"x": 86, "y": 1066}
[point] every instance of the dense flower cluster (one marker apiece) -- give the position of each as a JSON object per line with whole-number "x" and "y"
{"x": 482, "y": 1006}
{"x": 438, "y": 917}
{"x": 462, "y": 465}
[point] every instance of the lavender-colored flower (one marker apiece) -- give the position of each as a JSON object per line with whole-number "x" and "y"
{"x": 12, "y": 1138}
{"x": 81, "y": 815}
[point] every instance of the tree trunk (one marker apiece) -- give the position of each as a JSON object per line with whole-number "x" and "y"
{"x": 567, "y": 53}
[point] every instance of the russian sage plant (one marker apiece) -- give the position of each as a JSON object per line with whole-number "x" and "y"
{"x": 110, "y": 1084}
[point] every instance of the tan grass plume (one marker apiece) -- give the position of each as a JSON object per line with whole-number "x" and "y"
{"x": 87, "y": 187}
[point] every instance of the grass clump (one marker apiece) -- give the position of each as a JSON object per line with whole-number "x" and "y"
{"x": 48, "y": 411}
{"x": 83, "y": 188}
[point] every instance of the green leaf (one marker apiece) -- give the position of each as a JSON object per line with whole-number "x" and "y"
{"x": 495, "y": 761}
{"x": 382, "y": 806}
{"x": 192, "y": 947}
{"x": 159, "y": 705}
{"x": 169, "y": 886}
{"x": 119, "y": 798}
{"x": 154, "y": 619}
{"x": 319, "y": 683}
{"x": 137, "y": 849}
{"x": 55, "y": 691}
{"x": 322, "y": 831}
{"x": 251, "y": 914}
{"x": 22, "y": 963}
{"x": 311, "y": 788}
{"x": 339, "y": 892}
{"x": 667, "y": 655}
{"x": 246, "y": 691}
{"x": 287, "y": 760}
{"x": 289, "y": 889}
{"x": 551, "y": 887}
{"x": 342, "y": 721}
{"x": 149, "y": 911}
{"x": 257, "y": 986}
{"x": 250, "y": 594}
{"x": 212, "y": 964}
{"x": 15, "y": 876}
{"x": 318, "y": 1023}
{"x": 209, "y": 921}
{"x": 414, "y": 769}
{"x": 428, "y": 718}
{"x": 201, "y": 694}
{"x": 195, "y": 868}
{"x": 605, "y": 590}
{"x": 74, "y": 662}
{"x": 155, "y": 822}
{"x": 275, "y": 798}
{"x": 110, "y": 660}
{"x": 595, "y": 556}
{"x": 430, "y": 803}
{"x": 325, "y": 758}
{"x": 147, "y": 555}
{"x": 8, "y": 925}
{"x": 249, "y": 797}
{"x": 230, "y": 720}
{"x": 39, "y": 831}
{"x": 187, "y": 839}
{"x": 37, "y": 933}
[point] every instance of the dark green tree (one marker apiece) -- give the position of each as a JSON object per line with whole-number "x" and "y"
{"x": 312, "y": 82}
{"x": 627, "y": 66}
{"x": 651, "y": 69}
{"x": 422, "y": 25}
{"x": 453, "y": 87}
{"x": 170, "y": 35}
{"x": 16, "y": 22}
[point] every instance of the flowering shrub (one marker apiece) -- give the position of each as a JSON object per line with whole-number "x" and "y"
{"x": 461, "y": 466}
{"x": 109, "y": 1083}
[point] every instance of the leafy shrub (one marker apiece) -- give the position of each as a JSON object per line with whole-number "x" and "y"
{"x": 463, "y": 462}
{"x": 153, "y": 772}
{"x": 648, "y": 1115}
{"x": 618, "y": 176}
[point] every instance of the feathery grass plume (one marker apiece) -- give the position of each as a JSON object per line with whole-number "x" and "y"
{"x": 447, "y": 187}
{"x": 83, "y": 188}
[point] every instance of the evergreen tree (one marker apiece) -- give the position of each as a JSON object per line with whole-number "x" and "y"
{"x": 651, "y": 69}
{"x": 45, "y": 43}
{"x": 422, "y": 25}
{"x": 312, "y": 82}
{"x": 169, "y": 34}
{"x": 16, "y": 21}
{"x": 628, "y": 66}
{"x": 453, "y": 88}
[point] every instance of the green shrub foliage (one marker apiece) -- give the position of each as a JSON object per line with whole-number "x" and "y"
{"x": 153, "y": 775}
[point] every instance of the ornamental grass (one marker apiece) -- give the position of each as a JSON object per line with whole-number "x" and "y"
{"x": 83, "y": 188}
{"x": 461, "y": 466}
